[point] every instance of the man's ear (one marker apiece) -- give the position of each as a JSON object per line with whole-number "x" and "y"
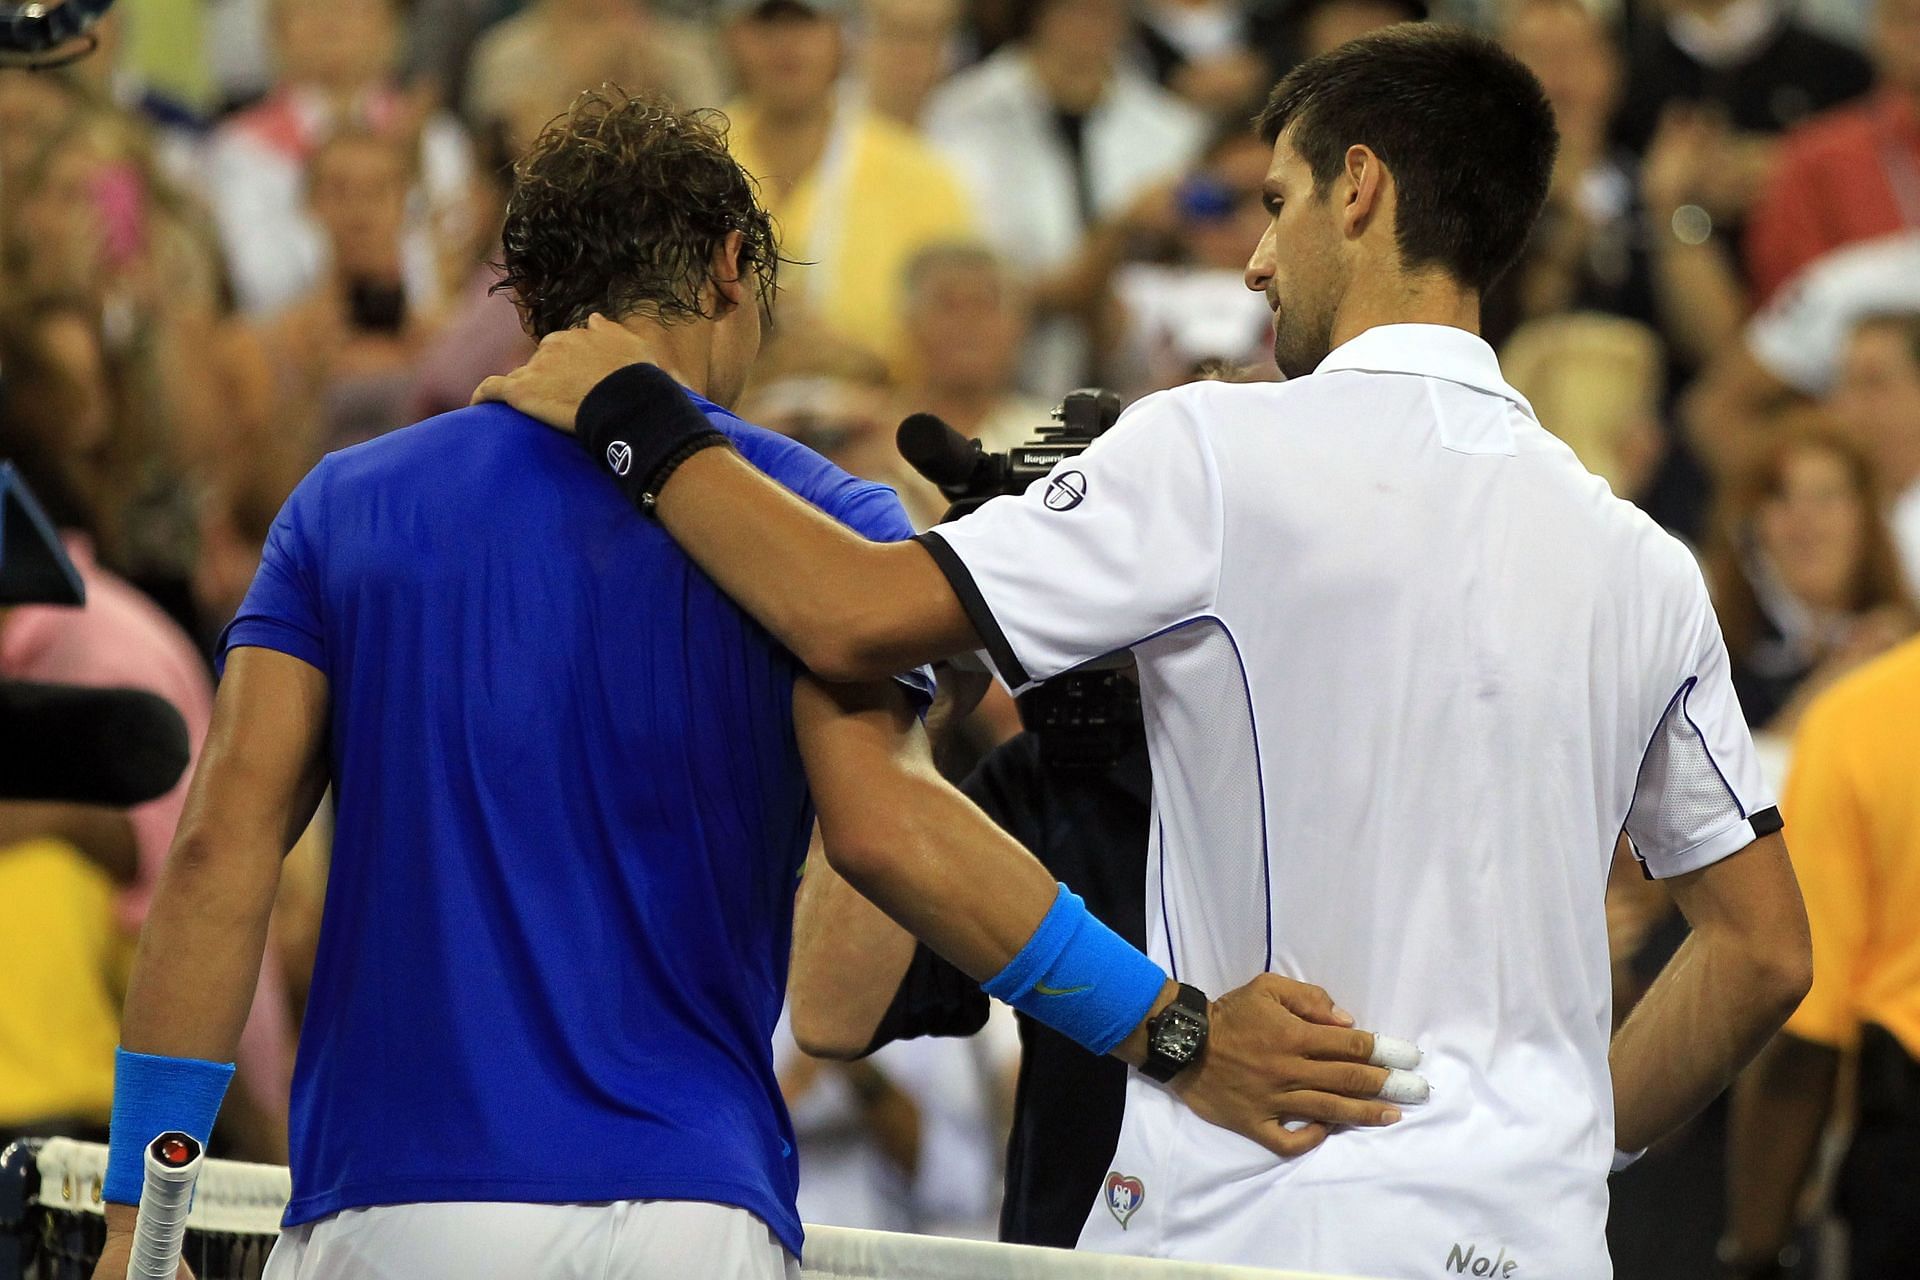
{"x": 730, "y": 287}
{"x": 1366, "y": 188}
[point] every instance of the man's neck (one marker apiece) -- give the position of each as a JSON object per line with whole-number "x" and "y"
{"x": 1427, "y": 298}
{"x": 682, "y": 351}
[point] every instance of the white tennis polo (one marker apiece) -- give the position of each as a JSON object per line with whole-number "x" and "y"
{"x": 1408, "y": 671}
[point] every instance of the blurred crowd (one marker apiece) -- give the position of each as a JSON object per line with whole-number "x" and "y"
{"x": 247, "y": 232}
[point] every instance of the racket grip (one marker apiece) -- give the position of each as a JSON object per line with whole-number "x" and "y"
{"x": 160, "y": 1228}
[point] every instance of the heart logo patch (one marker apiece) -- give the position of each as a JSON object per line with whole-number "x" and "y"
{"x": 1124, "y": 1195}
{"x": 620, "y": 457}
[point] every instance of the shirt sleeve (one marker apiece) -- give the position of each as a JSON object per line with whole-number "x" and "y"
{"x": 1700, "y": 795}
{"x": 874, "y": 511}
{"x": 1113, "y": 547}
{"x": 282, "y": 610}
{"x": 1829, "y": 852}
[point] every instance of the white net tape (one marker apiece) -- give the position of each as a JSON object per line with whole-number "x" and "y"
{"x": 249, "y": 1198}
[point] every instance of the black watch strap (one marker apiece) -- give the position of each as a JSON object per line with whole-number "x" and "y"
{"x": 638, "y": 426}
{"x": 1177, "y": 1035}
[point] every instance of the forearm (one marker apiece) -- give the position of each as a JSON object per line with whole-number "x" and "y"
{"x": 103, "y": 836}
{"x": 1780, "y": 1111}
{"x": 848, "y": 961}
{"x": 1706, "y": 1015}
{"x": 916, "y": 848}
{"x": 851, "y": 609}
{"x": 199, "y": 956}
{"x": 890, "y": 1115}
{"x": 1698, "y": 294}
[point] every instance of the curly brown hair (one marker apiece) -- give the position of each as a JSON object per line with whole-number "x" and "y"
{"x": 619, "y": 207}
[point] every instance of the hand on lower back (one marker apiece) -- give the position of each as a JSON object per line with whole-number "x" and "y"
{"x": 1279, "y": 1053}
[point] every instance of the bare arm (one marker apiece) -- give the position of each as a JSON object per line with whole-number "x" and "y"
{"x": 1728, "y": 989}
{"x": 850, "y": 609}
{"x": 260, "y": 775}
{"x": 1780, "y": 1110}
{"x": 848, "y": 961}
{"x": 103, "y": 836}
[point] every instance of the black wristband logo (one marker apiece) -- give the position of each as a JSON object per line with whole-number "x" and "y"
{"x": 620, "y": 457}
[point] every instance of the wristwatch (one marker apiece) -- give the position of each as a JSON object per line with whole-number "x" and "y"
{"x": 1176, "y": 1035}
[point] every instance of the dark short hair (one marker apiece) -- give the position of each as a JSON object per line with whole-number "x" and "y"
{"x": 619, "y": 207}
{"x": 1460, "y": 123}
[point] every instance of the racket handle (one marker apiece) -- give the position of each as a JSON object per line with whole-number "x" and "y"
{"x": 160, "y": 1228}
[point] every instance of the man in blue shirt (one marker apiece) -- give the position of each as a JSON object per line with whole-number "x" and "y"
{"x": 575, "y": 786}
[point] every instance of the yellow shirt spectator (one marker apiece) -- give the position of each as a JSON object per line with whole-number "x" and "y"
{"x": 878, "y": 196}
{"x": 1852, "y": 807}
{"x": 59, "y": 996}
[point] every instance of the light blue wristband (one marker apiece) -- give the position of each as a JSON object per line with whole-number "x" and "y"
{"x": 1079, "y": 977}
{"x": 153, "y": 1095}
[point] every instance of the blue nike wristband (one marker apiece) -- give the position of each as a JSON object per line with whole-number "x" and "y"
{"x": 1079, "y": 977}
{"x": 152, "y": 1095}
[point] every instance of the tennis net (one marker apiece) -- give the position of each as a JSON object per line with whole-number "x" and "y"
{"x": 52, "y": 1226}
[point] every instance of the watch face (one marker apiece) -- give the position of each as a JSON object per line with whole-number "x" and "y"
{"x": 1177, "y": 1034}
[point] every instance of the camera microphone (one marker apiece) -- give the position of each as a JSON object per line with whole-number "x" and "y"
{"x": 938, "y": 452}
{"x": 88, "y": 746}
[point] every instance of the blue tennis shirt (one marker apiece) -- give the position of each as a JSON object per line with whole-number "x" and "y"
{"x": 571, "y": 816}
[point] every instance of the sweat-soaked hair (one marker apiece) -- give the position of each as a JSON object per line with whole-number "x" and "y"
{"x": 619, "y": 207}
{"x": 1461, "y": 124}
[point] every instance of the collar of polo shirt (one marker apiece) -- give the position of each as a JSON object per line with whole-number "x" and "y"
{"x": 1429, "y": 350}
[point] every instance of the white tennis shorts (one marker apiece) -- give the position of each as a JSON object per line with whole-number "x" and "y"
{"x": 625, "y": 1240}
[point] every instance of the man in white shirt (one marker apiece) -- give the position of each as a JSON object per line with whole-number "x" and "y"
{"x": 1408, "y": 670}
{"x": 1056, "y": 139}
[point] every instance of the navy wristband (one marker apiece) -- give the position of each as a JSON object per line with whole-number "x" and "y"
{"x": 1079, "y": 977}
{"x": 638, "y": 426}
{"x": 152, "y": 1095}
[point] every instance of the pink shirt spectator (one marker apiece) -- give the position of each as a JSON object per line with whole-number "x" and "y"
{"x": 122, "y": 639}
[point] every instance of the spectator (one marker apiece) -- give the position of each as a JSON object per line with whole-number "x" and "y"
{"x": 1877, "y": 398}
{"x": 1068, "y": 153}
{"x": 1320, "y": 26}
{"x": 856, "y": 195}
{"x": 33, "y": 105}
{"x": 1856, "y": 851}
{"x": 1587, "y": 251}
{"x": 1210, "y": 51}
{"x": 346, "y": 351}
{"x": 1196, "y": 311}
{"x": 966, "y": 322}
{"x": 553, "y": 50}
{"x": 1852, "y": 173}
{"x": 1595, "y": 382}
{"x": 910, "y": 46}
{"x": 95, "y": 222}
{"x": 59, "y": 1018}
{"x": 337, "y": 60}
{"x": 483, "y": 335}
{"x": 1749, "y": 62}
{"x": 1803, "y": 575}
{"x": 1791, "y": 351}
